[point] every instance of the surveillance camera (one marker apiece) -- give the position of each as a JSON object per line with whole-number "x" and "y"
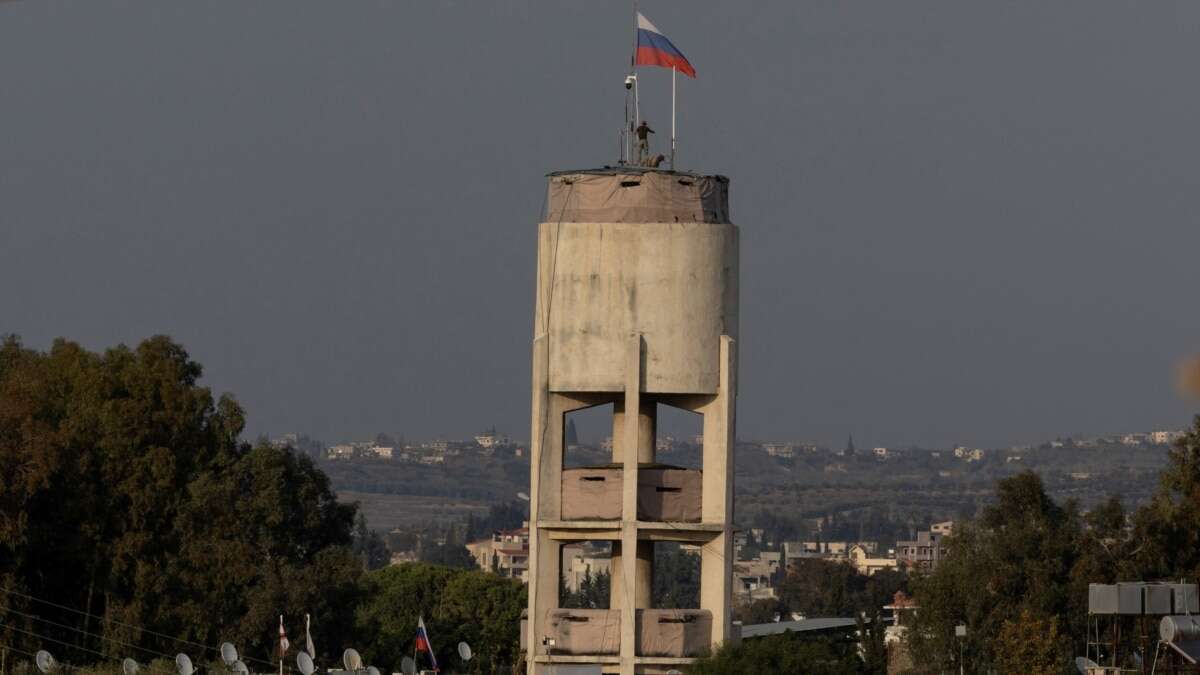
{"x": 629, "y": 80}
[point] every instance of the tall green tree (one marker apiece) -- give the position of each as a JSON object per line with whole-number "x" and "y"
{"x": 128, "y": 495}
{"x": 1017, "y": 558}
{"x": 1168, "y": 528}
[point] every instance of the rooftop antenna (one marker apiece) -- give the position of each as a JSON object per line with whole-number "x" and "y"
{"x": 464, "y": 651}
{"x": 305, "y": 663}
{"x": 183, "y": 664}
{"x": 352, "y": 660}
{"x": 408, "y": 666}
{"x": 45, "y": 662}
{"x": 229, "y": 654}
{"x": 130, "y": 667}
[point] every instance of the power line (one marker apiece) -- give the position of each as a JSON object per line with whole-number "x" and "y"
{"x": 71, "y": 646}
{"x": 86, "y": 632}
{"x": 127, "y": 625}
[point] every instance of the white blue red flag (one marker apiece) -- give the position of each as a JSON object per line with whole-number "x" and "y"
{"x": 654, "y": 49}
{"x": 283, "y": 641}
{"x": 423, "y": 643}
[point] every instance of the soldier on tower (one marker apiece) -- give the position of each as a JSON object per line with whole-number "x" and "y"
{"x": 643, "y": 132}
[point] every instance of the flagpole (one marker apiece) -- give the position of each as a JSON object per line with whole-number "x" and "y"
{"x": 637, "y": 110}
{"x": 673, "y": 69}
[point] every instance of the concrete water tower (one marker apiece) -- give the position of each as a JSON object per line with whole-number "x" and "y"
{"x": 637, "y": 305}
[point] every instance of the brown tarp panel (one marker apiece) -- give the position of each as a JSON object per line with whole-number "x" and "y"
{"x": 664, "y": 494}
{"x": 591, "y": 494}
{"x": 673, "y": 632}
{"x": 584, "y": 631}
{"x": 637, "y": 197}
{"x": 669, "y": 495}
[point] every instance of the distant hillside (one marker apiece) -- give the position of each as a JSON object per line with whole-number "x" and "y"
{"x": 897, "y": 494}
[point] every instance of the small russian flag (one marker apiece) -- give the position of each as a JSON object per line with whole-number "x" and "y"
{"x": 423, "y": 644}
{"x": 654, "y": 49}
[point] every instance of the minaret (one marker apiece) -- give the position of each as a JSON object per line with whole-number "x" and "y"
{"x": 637, "y": 306}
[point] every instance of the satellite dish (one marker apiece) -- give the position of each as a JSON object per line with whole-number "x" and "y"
{"x": 408, "y": 666}
{"x": 228, "y": 653}
{"x": 305, "y": 663}
{"x": 372, "y": 670}
{"x": 45, "y": 662}
{"x": 351, "y": 660}
{"x": 523, "y": 496}
{"x": 240, "y": 668}
{"x": 1084, "y": 664}
{"x": 130, "y": 666}
{"x": 183, "y": 665}
{"x": 464, "y": 651}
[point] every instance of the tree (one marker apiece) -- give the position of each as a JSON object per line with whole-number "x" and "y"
{"x": 480, "y": 608}
{"x": 1168, "y": 528}
{"x": 874, "y": 648}
{"x": 594, "y": 592}
{"x": 127, "y": 494}
{"x": 368, "y": 545}
{"x": 1031, "y": 644}
{"x": 676, "y": 582}
{"x": 1017, "y": 557}
{"x": 572, "y": 436}
{"x": 447, "y": 554}
{"x": 784, "y": 653}
{"x": 817, "y": 588}
{"x": 763, "y": 610}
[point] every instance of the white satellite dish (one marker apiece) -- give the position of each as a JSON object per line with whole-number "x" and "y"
{"x": 240, "y": 668}
{"x": 372, "y": 670}
{"x": 229, "y": 653}
{"x": 351, "y": 660}
{"x": 305, "y": 663}
{"x": 183, "y": 665}
{"x": 464, "y": 651}
{"x": 408, "y": 666}
{"x": 1084, "y": 664}
{"x": 45, "y": 662}
{"x": 130, "y": 666}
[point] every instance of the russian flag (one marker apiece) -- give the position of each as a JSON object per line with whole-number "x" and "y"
{"x": 654, "y": 49}
{"x": 423, "y": 643}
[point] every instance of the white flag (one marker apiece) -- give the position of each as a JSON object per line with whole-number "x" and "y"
{"x": 283, "y": 641}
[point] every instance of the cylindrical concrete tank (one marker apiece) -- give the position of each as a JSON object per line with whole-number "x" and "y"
{"x": 625, "y": 252}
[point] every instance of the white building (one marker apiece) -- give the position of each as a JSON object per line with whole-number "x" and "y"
{"x": 779, "y": 449}
{"x": 1165, "y": 437}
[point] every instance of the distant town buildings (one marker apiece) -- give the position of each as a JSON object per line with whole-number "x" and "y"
{"x": 506, "y": 553}
{"x": 865, "y": 562}
{"x": 582, "y": 561}
{"x": 969, "y": 454}
{"x": 926, "y": 551}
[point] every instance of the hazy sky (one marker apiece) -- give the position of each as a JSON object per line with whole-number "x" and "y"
{"x": 961, "y": 221}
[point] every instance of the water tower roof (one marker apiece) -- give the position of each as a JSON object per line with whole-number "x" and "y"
{"x": 629, "y": 194}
